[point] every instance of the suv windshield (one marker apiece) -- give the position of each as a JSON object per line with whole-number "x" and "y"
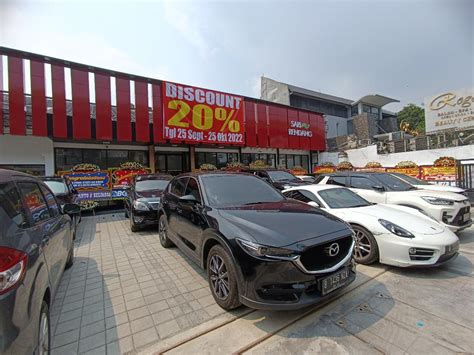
{"x": 58, "y": 187}
{"x": 411, "y": 180}
{"x": 146, "y": 185}
{"x": 238, "y": 190}
{"x": 342, "y": 198}
{"x": 279, "y": 175}
{"x": 394, "y": 183}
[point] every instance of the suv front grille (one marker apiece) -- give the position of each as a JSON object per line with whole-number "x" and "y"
{"x": 318, "y": 257}
{"x": 458, "y": 220}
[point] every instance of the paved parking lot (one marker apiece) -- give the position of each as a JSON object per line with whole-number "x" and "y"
{"x": 126, "y": 293}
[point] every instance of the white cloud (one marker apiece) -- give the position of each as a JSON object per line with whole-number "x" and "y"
{"x": 189, "y": 26}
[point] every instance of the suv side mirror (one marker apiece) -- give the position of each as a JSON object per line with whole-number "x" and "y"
{"x": 71, "y": 208}
{"x": 378, "y": 188}
{"x": 190, "y": 199}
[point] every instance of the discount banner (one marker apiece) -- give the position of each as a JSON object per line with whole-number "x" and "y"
{"x": 197, "y": 115}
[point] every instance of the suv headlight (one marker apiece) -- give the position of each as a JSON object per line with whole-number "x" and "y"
{"x": 397, "y": 230}
{"x": 265, "y": 252}
{"x": 437, "y": 201}
{"x": 140, "y": 206}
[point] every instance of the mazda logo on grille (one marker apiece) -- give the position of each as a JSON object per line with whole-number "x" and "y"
{"x": 332, "y": 250}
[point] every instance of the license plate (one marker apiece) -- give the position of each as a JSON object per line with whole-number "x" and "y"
{"x": 466, "y": 217}
{"x": 334, "y": 281}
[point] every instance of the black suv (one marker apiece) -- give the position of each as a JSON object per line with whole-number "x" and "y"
{"x": 144, "y": 196}
{"x": 259, "y": 248}
{"x": 35, "y": 246}
{"x": 281, "y": 179}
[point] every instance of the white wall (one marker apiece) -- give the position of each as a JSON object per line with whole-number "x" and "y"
{"x": 328, "y": 157}
{"x": 360, "y": 157}
{"x": 27, "y": 150}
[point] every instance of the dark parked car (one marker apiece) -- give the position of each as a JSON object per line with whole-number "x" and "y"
{"x": 279, "y": 178}
{"x": 35, "y": 246}
{"x": 259, "y": 248}
{"x": 144, "y": 196}
{"x": 65, "y": 193}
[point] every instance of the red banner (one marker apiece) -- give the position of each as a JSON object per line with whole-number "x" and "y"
{"x": 196, "y": 115}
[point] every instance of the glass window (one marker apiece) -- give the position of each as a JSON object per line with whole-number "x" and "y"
{"x": 342, "y": 198}
{"x": 66, "y": 158}
{"x": 237, "y": 190}
{"x": 395, "y": 184}
{"x": 34, "y": 201}
{"x": 360, "y": 182}
{"x": 282, "y": 161}
{"x": 175, "y": 162}
{"x": 354, "y": 110}
{"x": 150, "y": 185}
{"x": 95, "y": 156}
{"x": 178, "y": 186}
{"x": 297, "y": 159}
{"x": 278, "y": 175}
{"x": 365, "y": 108}
{"x": 301, "y": 195}
{"x": 51, "y": 201}
{"x": 305, "y": 161}
{"x": 374, "y": 110}
{"x": 221, "y": 160}
{"x": 139, "y": 156}
{"x": 161, "y": 162}
{"x": 10, "y": 202}
{"x": 193, "y": 189}
{"x": 337, "y": 180}
{"x": 116, "y": 157}
{"x": 58, "y": 187}
{"x": 290, "y": 161}
{"x": 411, "y": 180}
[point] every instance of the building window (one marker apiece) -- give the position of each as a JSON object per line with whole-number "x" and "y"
{"x": 354, "y": 110}
{"x": 328, "y": 108}
{"x": 289, "y": 161}
{"x": 66, "y": 158}
{"x": 220, "y": 160}
{"x": 248, "y": 158}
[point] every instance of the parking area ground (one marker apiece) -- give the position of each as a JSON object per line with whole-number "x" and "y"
{"x": 125, "y": 293}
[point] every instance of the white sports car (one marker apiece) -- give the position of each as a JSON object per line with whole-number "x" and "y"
{"x": 392, "y": 234}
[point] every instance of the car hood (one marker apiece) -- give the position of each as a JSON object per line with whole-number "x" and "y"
{"x": 282, "y": 223}
{"x": 405, "y": 217}
{"x": 440, "y": 194}
{"x": 434, "y": 187}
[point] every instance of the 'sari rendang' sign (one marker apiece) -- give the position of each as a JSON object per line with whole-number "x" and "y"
{"x": 196, "y": 115}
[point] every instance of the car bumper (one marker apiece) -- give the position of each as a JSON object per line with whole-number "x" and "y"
{"x": 282, "y": 285}
{"x": 422, "y": 251}
{"x": 456, "y": 217}
{"x": 145, "y": 218}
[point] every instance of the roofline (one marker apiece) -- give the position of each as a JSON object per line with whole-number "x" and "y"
{"x": 99, "y": 70}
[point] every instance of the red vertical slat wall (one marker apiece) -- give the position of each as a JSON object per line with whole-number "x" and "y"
{"x": 59, "y": 101}
{"x": 305, "y": 142}
{"x": 1, "y": 98}
{"x": 103, "y": 109}
{"x": 321, "y": 133}
{"x": 278, "y": 127}
{"x": 250, "y": 127}
{"x": 142, "y": 125}
{"x": 81, "y": 116}
{"x": 262, "y": 126}
{"x": 38, "y": 99}
{"x": 124, "y": 123}
{"x": 16, "y": 97}
{"x": 157, "y": 114}
{"x": 293, "y": 141}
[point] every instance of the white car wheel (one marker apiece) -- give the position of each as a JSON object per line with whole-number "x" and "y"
{"x": 366, "y": 250}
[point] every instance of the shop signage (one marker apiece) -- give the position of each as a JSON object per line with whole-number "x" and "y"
{"x": 196, "y": 115}
{"x": 300, "y": 129}
{"x": 450, "y": 110}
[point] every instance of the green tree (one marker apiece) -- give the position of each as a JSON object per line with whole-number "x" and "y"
{"x": 414, "y": 115}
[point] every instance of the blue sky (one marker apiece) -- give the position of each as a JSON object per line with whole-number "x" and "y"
{"x": 402, "y": 49}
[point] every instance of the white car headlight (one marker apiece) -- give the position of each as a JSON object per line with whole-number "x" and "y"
{"x": 437, "y": 201}
{"x": 140, "y": 206}
{"x": 397, "y": 230}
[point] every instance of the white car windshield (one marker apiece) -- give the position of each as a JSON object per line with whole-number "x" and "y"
{"x": 342, "y": 198}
